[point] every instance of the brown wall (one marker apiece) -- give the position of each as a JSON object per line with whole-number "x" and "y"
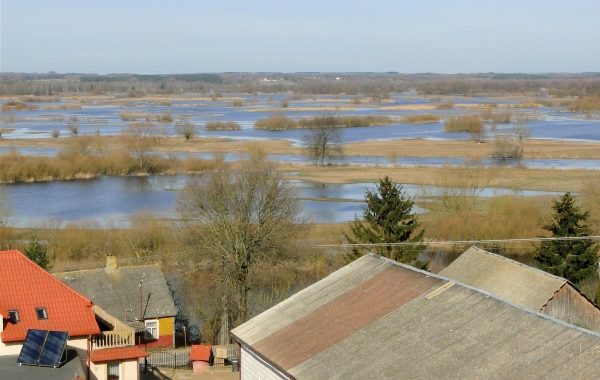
{"x": 570, "y": 306}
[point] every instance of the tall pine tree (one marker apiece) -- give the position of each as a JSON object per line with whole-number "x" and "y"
{"x": 388, "y": 218}
{"x": 574, "y": 260}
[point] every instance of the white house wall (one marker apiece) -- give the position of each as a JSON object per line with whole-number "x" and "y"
{"x": 254, "y": 368}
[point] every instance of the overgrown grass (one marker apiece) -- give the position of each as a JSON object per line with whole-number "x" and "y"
{"x": 13, "y": 105}
{"x": 40, "y": 99}
{"x": 587, "y": 104}
{"x": 276, "y": 123}
{"x": 496, "y": 117}
{"x": 449, "y": 104}
{"x": 497, "y": 218}
{"x": 468, "y": 123}
{"x": 281, "y": 122}
{"x": 77, "y": 161}
{"x": 420, "y": 119}
{"x": 222, "y": 126}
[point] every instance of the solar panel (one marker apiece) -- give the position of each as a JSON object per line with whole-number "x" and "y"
{"x": 43, "y": 348}
{"x": 54, "y": 348}
{"x": 32, "y": 347}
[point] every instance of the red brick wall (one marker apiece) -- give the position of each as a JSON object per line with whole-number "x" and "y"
{"x": 164, "y": 341}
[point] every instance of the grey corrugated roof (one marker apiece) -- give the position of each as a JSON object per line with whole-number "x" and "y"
{"x": 457, "y": 333}
{"x": 118, "y": 290}
{"x": 526, "y": 286}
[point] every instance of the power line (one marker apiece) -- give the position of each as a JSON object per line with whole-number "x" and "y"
{"x": 458, "y": 242}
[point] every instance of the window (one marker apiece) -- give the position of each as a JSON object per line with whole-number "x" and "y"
{"x": 13, "y": 316}
{"x": 41, "y": 313}
{"x": 113, "y": 369}
{"x": 151, "y": 329}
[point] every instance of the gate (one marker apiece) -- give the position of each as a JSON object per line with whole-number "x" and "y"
{"x": 176, "y": 359}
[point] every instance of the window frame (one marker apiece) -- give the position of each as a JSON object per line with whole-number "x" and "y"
{"x": 115, "y": 363}
{"x": 14, "y": 312}
{"x": 43, "y": 310}
{"x": 148, "y": 335}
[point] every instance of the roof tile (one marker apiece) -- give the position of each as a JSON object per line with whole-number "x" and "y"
{"x": 25, "y": 286}
{"x": 200, "y": 352}
{"x": 122, "y": 353}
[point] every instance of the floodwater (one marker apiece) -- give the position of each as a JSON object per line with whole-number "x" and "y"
{"x": 533, "y": 163}
{"x": 111, "y": 201}
{"x": 105, "y": 119}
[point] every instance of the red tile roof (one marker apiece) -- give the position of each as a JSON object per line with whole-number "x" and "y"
{"x": 122, "y": 353}
{"x": 200, "y": 352}
{"x": 25, "y": 286}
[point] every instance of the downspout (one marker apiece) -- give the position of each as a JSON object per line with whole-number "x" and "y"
{"x": 89, "y": 354}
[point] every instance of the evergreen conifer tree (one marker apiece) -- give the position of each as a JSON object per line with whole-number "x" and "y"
{"x": 574, "y": 260}
{"x": 37, "y": 253}
{"x": 388, "y": 218}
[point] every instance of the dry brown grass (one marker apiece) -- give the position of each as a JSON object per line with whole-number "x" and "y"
{"x": 468, "y": 123}
{"x": 222, "y": 126}
{"x": 449, "y": 104}
{"x": 77, "y": 161}
{"x": 421, "y": 119}
{"x": 13, "y": 105}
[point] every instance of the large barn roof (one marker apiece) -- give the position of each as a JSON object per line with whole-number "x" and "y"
{"x": 376, "y": 318}
{"x": 526, "y": 286}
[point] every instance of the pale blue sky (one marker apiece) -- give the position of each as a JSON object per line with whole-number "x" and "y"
{"x": 185, "y": 36}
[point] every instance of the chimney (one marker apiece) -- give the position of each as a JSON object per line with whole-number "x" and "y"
{"x": 111, "y": 263}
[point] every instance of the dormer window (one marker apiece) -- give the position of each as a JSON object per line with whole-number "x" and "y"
{"x": 41, "y": 313}
{"x": 13, "y": 316}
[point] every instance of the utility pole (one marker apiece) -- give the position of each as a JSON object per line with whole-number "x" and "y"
{"x": 141, "y": 309}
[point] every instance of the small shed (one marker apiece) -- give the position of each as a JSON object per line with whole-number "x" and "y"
{"x": 525, "y": 286}
{"x": 201, "y": 356}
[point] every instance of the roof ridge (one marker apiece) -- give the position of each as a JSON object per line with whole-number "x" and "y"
{"x": 104, "y": 269}
{"x": 27, "y": 260}
{"x": 565, "y": 324}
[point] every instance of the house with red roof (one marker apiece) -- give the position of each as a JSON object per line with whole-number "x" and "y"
{"x": 99, "y": 346}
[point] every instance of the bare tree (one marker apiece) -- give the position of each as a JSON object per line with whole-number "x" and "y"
{"x": 323, "y": 143}
{"x": 73, "y": 127}
{"x": 140, "y": 138}
{"x": 5, "y": 122}
{"x": 522, "y": 132}
{"x": 507, "y": 146}
{"x": 186, "y": 128}
{"x": 243, "y": 218}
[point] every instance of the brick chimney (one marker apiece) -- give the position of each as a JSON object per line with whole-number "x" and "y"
{"x": 111, "y": 263}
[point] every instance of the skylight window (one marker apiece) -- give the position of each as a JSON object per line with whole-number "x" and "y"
{"x": 13, "y": 316}
{"x": 41, "y": 313}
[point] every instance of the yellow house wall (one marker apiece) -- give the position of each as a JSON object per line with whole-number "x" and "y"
{"x": 166, "y": 326}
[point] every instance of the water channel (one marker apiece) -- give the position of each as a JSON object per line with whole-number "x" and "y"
{"x": 111, "y": 201}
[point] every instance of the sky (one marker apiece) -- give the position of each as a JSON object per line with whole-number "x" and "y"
{"x": 194, "y": 36}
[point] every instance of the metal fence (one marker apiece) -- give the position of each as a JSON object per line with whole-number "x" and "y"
{"x": 233, "y": 351}
{"x": 177, "y": 359}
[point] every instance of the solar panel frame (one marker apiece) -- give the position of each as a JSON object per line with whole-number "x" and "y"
{"x": 32, "y": 347}
{"x": 53, "y": 349}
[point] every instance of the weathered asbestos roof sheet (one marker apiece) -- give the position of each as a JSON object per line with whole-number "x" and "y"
{"x": 515, "y": 282}
{"x": 118, "y": 290}
{"x": 379, "y": 319}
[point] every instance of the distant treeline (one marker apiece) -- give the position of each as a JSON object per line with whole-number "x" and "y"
{"x": 374, "y": 85}
{"x": 206, "y": 78}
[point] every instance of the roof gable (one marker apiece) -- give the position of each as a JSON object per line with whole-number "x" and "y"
{"x": 432, "y": 327}
{"x": 515, "y": 282}
{"x": 118, "y": 290}
{"x": 25, "y": 286}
